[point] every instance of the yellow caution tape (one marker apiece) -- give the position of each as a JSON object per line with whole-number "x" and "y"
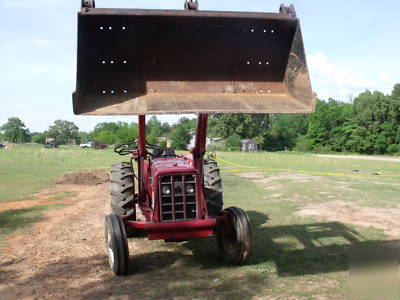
{"x": 252, "y": 168}
{"x": 244, "y": 168}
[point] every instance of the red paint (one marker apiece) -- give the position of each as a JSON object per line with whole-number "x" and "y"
{"x": 149, "y": 190}
{"x": 171, "y": 165}
{"x": 180, "y": 235}
{"x": 153, "y": 227}
{"x": 176, "y": 230}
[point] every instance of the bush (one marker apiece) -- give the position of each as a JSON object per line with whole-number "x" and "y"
{"x": 304, "y": 144}
{"x": 233, "y": 142}
{"x": 216, "y": 148}
{"x": 393, "y": 149}
{"x": 323, "y": 149}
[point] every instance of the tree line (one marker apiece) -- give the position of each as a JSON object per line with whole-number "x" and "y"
{"x": 66, "y": 132}
{"x": 368, "y": 124}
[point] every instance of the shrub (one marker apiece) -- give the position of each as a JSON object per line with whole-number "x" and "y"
{"x": 393, "y": 149}
{"x": 304, "y": 144}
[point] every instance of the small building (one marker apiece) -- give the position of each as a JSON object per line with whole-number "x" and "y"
{"x": 165, "y": 140}
{"x": 250, "y": 146}
{"x": 209, "y": 140}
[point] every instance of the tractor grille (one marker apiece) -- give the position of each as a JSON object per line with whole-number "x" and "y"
{"x": 178, "y": 198}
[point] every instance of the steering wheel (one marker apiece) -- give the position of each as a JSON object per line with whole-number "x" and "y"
{"x": 124, "y": 149}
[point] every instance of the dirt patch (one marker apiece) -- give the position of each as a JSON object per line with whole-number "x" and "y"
{"x": 269, "y": 182}
{"x": 65, "y": 250}
{"x": 350, "y": 213}
{"x": 258, "y": 176}
{"x": 251, "y": 175}
{"x": 84, "y": 177}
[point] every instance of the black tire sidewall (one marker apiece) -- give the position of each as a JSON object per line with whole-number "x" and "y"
{"x": 243, "y": 236}
{"x": 119, "y": 243}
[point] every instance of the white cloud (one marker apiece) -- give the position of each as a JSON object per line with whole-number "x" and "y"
{"x": 41, "y": 42}
{"x": 332, "y": 81}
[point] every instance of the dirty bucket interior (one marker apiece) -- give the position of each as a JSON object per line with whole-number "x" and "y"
{"x": 168, "y": 61}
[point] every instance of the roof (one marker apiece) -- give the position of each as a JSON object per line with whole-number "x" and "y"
{"x": 248, "y": 141}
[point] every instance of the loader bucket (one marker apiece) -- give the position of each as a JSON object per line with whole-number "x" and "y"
{"x": 167, "y": 61}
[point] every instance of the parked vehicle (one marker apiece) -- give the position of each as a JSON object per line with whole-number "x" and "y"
{"x": 94, "y": 145}
{"x": 86, "y": 145}
{"x": 50, "y": 143}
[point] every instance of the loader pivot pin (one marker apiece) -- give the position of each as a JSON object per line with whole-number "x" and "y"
{"x": 88, "y": 4}
{"x": 191, "y": 5}
{"x": 288, "y": 11}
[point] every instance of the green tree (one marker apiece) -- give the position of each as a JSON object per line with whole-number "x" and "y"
{"x": 65, "y": 132}
{"x": 15, "y": 131}
{"x": 84, "y": 137}
{"x": 247, "y": 126}
{"x": 115, "y": 132}
{"x": 38, "y": 137}
{"x": 154, "y": 130}
{"x": 106, "y": 126}
{"x": 180, "y": 134}
{"x": 127, "y": 132}
{"x": 180, "y": 138}
{"x": 106, "y": 137}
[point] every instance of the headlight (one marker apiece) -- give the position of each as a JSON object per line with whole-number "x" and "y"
{"x": 190, "y": 189}
{"x": 166, "y": 190}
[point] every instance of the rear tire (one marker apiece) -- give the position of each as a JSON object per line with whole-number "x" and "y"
{"x": 122, "y": 190}
{"x": 212, "y": 187}
{"x": 117, "y": 244}
{"x": 234, "y": 236}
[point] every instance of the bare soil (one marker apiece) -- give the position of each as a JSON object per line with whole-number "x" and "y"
{"x": 259, "y": 177}
{"x": 85, "y": 177}
{"x": 351, "y": 213}
{"x": 61, "y": 257}
{"x": 269, "y": 182}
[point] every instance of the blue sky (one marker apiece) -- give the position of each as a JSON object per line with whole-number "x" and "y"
{"x": 351, "y": 46}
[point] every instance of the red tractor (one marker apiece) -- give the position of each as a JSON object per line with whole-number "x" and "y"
{"x": 139, "y": 62}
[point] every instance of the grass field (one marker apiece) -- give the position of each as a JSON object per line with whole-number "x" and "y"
{"x": 301, "y": 249}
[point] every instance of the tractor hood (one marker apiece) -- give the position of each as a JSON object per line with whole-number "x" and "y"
{"x": 170, "y": 165}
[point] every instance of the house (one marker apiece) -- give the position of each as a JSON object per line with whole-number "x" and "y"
{"x": 209, "y": 140}
{"x": 250, "y": 146}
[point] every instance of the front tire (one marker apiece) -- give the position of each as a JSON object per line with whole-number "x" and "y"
{"x": 234, "y": 236}
{"x": 117, "y": 244}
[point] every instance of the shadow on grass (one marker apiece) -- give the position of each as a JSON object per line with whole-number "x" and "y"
{"x": 18, "y": 219}
{"x": 178, "y": 273}
{"x": 315, "y": 248}
{"x": 303, "y": 249}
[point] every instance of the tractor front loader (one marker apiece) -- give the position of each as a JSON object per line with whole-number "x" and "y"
{"x": 140, "y": 62}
